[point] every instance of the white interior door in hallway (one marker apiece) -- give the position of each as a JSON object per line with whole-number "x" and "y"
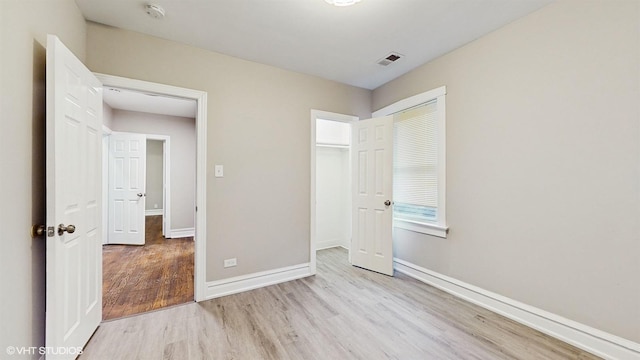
{"x": 74, "y": 245}
{"x": 127, "y": 181}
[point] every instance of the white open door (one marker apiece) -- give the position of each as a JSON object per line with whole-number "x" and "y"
{"x": 74, "y": 245}
{"x": 127, "y": 179}
{"x": 372, "y": 220}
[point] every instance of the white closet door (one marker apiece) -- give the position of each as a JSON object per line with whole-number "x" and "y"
{"x": 372, "y": 220}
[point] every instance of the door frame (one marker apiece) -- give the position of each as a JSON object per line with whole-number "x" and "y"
{"x": 200, "y": 236}
{"x": 106, "y": 132}
{"x": 315, "y": 115}
{"x": 166, "y": 181}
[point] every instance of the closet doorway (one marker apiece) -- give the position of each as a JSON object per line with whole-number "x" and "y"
{"x": 331, "y": 182}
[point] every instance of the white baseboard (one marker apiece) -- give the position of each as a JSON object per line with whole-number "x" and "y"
{"x": 182, "y": 233}
{"x": 320, "y": 245}
{"x": 153, "y": 212}
{"x": 333, "y": 246}
{"x": 595, "y": 341}
{"x": 256, "y": 280}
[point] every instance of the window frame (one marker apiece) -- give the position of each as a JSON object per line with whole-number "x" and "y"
{"x": 438, "y": 227}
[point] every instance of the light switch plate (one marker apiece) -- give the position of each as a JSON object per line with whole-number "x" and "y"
{"x": 230, "y": 262}
{"x": 219, "y": 171}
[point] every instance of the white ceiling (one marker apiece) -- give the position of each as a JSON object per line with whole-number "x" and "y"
{"x": 124, "y": 99}
{"x": 313, "y": 37}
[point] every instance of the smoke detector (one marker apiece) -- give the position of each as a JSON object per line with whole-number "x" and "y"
{"x": 394, "y": 56}
{"x": 155, "y": 11}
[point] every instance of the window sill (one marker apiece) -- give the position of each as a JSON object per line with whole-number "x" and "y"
{"x": 424, "y": 228}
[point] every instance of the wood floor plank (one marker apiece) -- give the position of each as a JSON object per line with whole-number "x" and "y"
{"x": 341, "y": 313}
{"x": 149, "y": 277}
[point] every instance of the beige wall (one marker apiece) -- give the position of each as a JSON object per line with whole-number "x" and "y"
{"x": 183, "y": 157}
{"x": 23, "y": 29}
{"x": 257, "y": 127}
{"x": 543, "y": 163}
{"x": 155, "y": 175}
{"x": 543, "y": 156}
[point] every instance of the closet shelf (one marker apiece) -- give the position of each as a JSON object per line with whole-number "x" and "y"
{"x": 333, "y": 146}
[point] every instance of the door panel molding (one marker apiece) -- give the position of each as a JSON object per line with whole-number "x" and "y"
{"x": 372, "y": 169}
{"x": 74, "y": 197}
{"x": 127, "y": 188}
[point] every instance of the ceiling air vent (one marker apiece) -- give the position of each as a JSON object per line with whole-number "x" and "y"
{"x": 389, "y": 59}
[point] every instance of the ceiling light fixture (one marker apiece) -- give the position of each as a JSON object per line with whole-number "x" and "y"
{"x": 155, "y": 11}
{"x": 342, "y": 2}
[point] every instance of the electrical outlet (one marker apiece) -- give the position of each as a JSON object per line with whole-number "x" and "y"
{"x": 230, "y": 262}
{"x": 155, "y": 206}
{"x": 219, "y": 171}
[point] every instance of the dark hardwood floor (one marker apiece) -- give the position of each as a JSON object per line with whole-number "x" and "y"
{"x": 343, "y": 312}
{"x": 143, "y": 278}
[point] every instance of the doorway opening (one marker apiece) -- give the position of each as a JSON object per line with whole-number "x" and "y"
{"x": 158, "y": 180}
{"x": 371, "y": 184}
{"x": 330, "y": 182}
{"x": 168, "y": 268}
{"x": 148, "y": 258}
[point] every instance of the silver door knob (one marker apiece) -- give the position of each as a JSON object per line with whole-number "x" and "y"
{"x": 140, "y": 195}
{"x": 387, "y": 203}
{"x": 69, "y": 228}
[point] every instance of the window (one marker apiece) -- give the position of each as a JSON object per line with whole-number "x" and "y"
{"x": 419, "y": 162}
{"x": 415, "y": 163}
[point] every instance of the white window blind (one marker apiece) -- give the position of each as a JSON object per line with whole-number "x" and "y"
{"x": 415, "y": 163}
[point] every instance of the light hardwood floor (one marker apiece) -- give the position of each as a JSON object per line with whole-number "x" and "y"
{"x": 148, "y": 277}
{"x": 341, "y": 313}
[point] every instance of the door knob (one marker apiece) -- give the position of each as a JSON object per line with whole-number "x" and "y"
{"x": 141, "y": 195}
{"x": 69, "y": 228}
{"x": 387, "y": 203}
